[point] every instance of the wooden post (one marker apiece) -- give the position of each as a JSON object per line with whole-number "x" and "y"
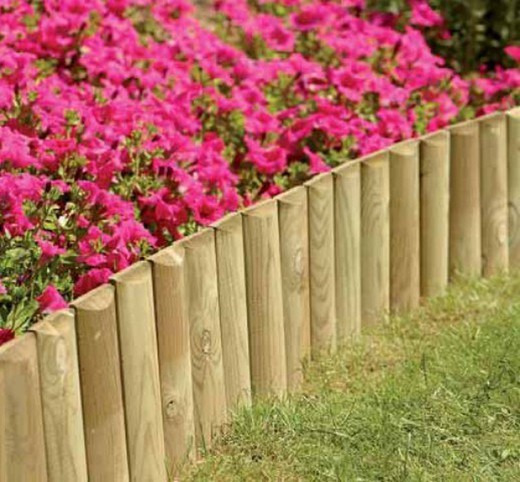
{"x": 375, "y": 237}
{"x": 264, "y": 299}
{"x": 513, "y": 175}
{"x": 209, "y": 394}
{"x": 233, "y": 309}
{"x": 173, "y": 340}
{"x": 61, "y": 397}
{"x": 321, "y": 262}
{"x": 493, "y": 194}
{"x": 22, "y": 444}
{"x": 465, "y": 241}
{"x": 347, "y": 222}
{"x": 435, "y": 206}
{"x": 294, "y": 257}
{"x": 101, "y": 389}
{"x": 140, "y": 368}
{"x": 405, "y": 287}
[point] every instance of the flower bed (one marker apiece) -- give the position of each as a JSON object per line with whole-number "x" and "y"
{"x": 125, "y": 125}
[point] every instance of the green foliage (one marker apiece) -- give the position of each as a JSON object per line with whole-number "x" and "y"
{"x": 431, "y": 397}
{"x": 480, "y": 29}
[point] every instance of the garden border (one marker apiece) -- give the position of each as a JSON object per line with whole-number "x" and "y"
{"x": 146, "y": 369}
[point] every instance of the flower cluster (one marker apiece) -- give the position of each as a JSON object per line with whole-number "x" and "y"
{"x": 125, "y": 124}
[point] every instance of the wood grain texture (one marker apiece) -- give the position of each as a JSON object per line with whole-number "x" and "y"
{"x": 101, "y": 387}
{"x": 21, "y": 428}
{"x": 294, "y": 258}
{"x": 375, "y": 237}
{"x": 405, "y": 287}
{"x": 435, "y": 206}
{"x": 140, "y": 369}
{"x": 233, "y": 310}
{"x": 513, "y": 176}
{"x": 493, "y": 194}
{"x": 347, "y": 223}
{"x": 209, "y": 392}
{"x": 320, "y": 191}
{"x": 465, "y": 240}
{"x": 61, "y": 397}
{"x": 173, "y": 339}
{"x": 264, "y": 299}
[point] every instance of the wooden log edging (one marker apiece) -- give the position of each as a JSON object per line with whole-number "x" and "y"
{"x": 141, "y": 374}
{"x": 294, "y": 260}
{"x": 434, "y": 212}
{"x": 101, "y": 385}
{"x": 493, "y": 192}
{"x": 375, "y": 237}
{"x": 320, "y": 195}
{"x": 347, "y": 245}
{"x": 513, "y": 185}
{"x": 207, "y": 365}
{"x": 405, "y": 284}
{"x": 264, "y": 299}
{"x": 174, "y": 352}
{"x": 61, "y": 397}
{"x": 465, "y": 252}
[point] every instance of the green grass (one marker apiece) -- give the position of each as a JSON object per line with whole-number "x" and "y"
{"x": 431, "y": 396}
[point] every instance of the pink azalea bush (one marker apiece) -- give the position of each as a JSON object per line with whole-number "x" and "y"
{"x": 127, "y": 124}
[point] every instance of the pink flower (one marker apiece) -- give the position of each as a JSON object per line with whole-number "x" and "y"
{"x": 423, "y": 15}
{"x": 51, "y": 300}
{"x": 6, "y": 334}
{"x": 310, "y": 17}
{"x": 351, "y": 78}
{"x": 49, "y": 250}
{"x": 3, "y": 289}
{"x": 91, "y": 280}
{"x": 316, "y": 164}
{"x": 393, "y": 124}
{"x": 513, "y": 51}
{"x": 266, "y": 160}
{"x": 274, "y": 33}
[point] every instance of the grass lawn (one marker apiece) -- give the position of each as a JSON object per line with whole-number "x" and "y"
{"x": 431, "y": 396}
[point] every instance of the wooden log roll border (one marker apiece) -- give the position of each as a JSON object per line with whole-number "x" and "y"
{"x": 174, "y": 351}
{"x": 101, "y": 385}
{"x": 22, "y": 444}
{"x": 140, "y": 369}
{"x": 61, "y": 397}
{"x": 434, "y": 212}
{"x": 347, "y": 254}
{"x": 144, "y": 371}
{"x": 404, "y": 227}
{"x": 294, "y": 260}
{"x": 465, "y": 220}
{"x": 493, "y": 194}
{"x": 513, "y": 179}
{"x": 375, "y": 237}
{"x": 321, "y": 261}
{"x": 264, "y": 299}
{"x": 209, "y": 392}
{"x": 229, "y": 244}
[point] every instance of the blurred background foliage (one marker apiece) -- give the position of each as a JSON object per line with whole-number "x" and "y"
{"x": 480, "y": 30}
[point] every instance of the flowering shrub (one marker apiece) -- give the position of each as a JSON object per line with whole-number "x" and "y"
{"x": 479, "y": 30}
{"x": 126, "y": 124}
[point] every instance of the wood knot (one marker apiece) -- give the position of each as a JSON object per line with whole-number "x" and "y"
{"x": 298, "y": 267}
{"x": 172, "y": 408}
{"x": 298, "y": 262}
{"x": 61, "y": 358}
{"x": 206, "y": 342}
{"x": 502, "y": 233}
